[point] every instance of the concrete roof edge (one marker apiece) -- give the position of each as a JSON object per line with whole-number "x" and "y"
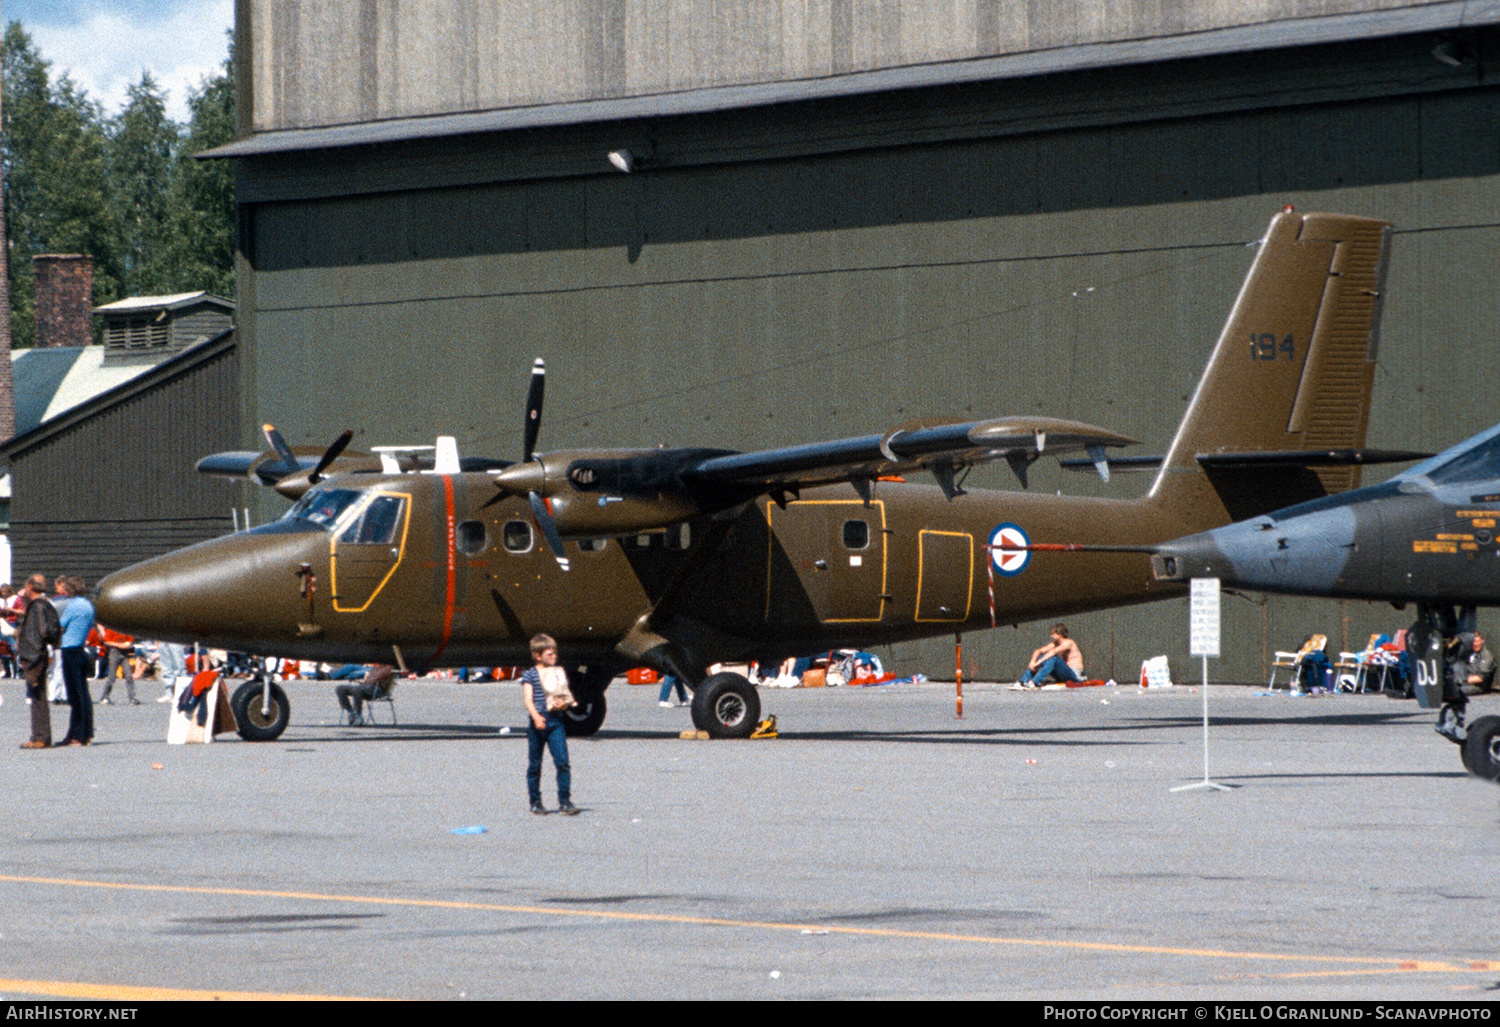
{"x": 1433, "y": 17}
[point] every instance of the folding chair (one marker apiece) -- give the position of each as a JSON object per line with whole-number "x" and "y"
{"x": 1293, "y": 661}
{"x": 385, "y": 692}
{"x": 1350, "y": 670}
{"x": 1284, "y": 661}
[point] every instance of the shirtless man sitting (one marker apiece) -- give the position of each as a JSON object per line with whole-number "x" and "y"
{"x": 1060, "y": 658}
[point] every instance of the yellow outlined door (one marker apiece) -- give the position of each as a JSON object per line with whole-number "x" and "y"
{"x": 826, "y": 561}
{"x": 945, "y": 575}
{"x": 366, "y": 549}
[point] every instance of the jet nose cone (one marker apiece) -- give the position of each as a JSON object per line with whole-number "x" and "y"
{"x": 1195, "y": 556}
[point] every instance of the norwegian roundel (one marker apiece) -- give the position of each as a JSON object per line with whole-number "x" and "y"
{"x": 1005, "y": 551}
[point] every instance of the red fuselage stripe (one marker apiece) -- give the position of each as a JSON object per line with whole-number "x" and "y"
{"x": 452, "y": 569}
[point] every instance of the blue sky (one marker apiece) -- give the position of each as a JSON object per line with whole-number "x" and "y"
{"x": 106, "y": 44}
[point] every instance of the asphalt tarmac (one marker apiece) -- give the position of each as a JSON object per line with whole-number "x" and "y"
{"x": 880, "y": 848}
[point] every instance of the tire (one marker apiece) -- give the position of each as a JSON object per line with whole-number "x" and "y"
{"x": 726, "y": 706}
{"x": 255, "y": 725}
{"x": 1481, "y": 749}
{"x": 586, "y": 718}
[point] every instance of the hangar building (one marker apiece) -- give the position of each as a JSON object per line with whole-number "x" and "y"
{"x": 840, "y": 215}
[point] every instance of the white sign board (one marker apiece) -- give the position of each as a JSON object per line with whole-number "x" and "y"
{"x": 1204, "y": 617}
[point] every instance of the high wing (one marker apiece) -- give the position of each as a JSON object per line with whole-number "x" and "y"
{"x": 941, "y": 449}
{"x": 599, "y": 493}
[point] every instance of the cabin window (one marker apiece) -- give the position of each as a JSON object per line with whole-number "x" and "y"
{"x": 679, "y": 536}
{"x": 856, "y": 535}
{"x": 592, "y": 545}
{"x": 377, "y": 523}
{"x": 472, "y": 539}
{"x": 517, "y": 536}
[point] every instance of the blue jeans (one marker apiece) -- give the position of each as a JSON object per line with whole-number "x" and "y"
{"x": 555, "y": 738}
{"x": 75, "y": 679}
{"x": 668, "y": 682}
{"x": 1053, "y": 666}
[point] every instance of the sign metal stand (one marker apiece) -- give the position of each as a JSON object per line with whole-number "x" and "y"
{"x": 1204, "y": 641}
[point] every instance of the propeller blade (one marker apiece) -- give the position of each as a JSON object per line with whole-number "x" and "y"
{"x": 330, "y": 455}
{"x": 549, "y": 527}
{"x": 288, "y": 458}
{"x": 534, "y": 408}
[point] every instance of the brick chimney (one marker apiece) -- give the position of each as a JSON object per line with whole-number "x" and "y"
{"x": 64, "y": 299}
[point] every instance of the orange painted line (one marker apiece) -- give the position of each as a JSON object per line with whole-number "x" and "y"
{"x": 1377, "y": 963}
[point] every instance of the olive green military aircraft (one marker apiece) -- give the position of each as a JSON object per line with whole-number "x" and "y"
{"x": 682, "y": 558}
{"x": 1427, "y": 536}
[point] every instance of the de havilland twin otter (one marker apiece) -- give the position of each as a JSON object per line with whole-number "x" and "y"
{"x": 682, "y": 558}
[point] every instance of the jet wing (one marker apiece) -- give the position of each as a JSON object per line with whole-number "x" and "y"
{"x": 939, "y": 448}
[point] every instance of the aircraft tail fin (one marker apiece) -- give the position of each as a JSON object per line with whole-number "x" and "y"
{"x": 1292, "y": 372}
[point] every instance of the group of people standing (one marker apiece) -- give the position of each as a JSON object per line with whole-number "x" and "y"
{"x": 58, "y": 624}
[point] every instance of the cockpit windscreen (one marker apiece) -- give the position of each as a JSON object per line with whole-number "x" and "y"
{"x": 1478, "y": 463}
{"x": 322, "y": 506}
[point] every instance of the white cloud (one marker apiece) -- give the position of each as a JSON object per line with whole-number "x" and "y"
{"x": 105, "y": 51}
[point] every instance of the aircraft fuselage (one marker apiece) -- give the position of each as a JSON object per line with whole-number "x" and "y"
{"x": 420, "y": 562}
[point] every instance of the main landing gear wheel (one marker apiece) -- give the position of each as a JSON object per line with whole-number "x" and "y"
{"x": 260, "y": 722}
{"x": 1481, "y": 749}
{"x": 726, "y": 706}
{"x": 584, "y": 719}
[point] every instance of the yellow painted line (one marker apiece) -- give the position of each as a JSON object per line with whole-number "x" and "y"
{"x": 1391, "y": 963}
{"x": 1340, "y": 973}
{"x": 129, "y": 993}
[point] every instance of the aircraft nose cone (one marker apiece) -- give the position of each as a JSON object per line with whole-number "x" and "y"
{"x": 232, "y": 592}
{"x": 126, "y": 598}
{"x": 1195, "y": 556}
{"x": 157, "y": 598}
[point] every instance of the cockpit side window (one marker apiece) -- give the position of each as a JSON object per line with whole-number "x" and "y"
{"x": 377, "y": 523}
{"x": 322, "y": 506}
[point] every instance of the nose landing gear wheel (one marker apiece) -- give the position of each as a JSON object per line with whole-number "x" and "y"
{"x": 260, "y": 722}
{"x": 726, "y": 706}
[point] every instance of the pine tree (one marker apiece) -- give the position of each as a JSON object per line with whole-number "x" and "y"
{"x": 203, "y": 220}
{"x": 127, "y": 191}
{"x": 142, "y": 152}
{"x": 56, "y": 181}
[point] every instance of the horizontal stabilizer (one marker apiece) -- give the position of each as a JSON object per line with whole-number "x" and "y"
{"x": 1117, "y": 464}
{"x": 1312, "y": 458}
{"x": 1289, "y": 458}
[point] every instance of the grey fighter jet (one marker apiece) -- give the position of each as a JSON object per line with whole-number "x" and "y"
{"x": 1427, "y": 536}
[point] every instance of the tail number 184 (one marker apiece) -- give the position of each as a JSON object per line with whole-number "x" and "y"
{"x": 1265, "y": 347}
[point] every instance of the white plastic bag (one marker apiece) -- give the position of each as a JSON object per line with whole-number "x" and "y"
{"x": 1155, "y": 673}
